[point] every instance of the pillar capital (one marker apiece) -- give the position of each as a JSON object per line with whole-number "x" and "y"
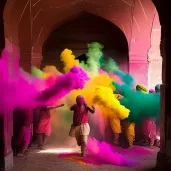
{"x": 25, "y": 61}
{"x": 137, "y": 58}
{"x": 36, "y": 59}
{"x": 138, "y": 61}
{"x": 155, "y": 60}
{"x": 37, "y": 55}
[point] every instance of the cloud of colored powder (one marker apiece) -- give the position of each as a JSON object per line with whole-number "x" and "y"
{"x": 93, "y": 57}
{"x": 104, "y": 97}
{"x": 140, "y": 104}
{"x": 68, "y": 60}
{"x": 25, "y": 91}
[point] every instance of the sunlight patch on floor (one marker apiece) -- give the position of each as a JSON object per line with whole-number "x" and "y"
{"x": 58, "y": 150}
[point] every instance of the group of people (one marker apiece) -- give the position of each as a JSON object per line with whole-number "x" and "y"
{"x": 28, "y": 126}
{"x": 149, "y": 131}
{"x": 38, "y": 122}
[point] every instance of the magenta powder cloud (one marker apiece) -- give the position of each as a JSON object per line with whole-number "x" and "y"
{"x": 75, "y": 79}
{"x": 104, "y": 152}
{"x": 19, "y": 89}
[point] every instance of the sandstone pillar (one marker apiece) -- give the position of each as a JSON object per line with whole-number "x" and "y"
{"x": 2, "y": 40}
{"x": 6, "y": 155}
{"x": 25, "y": 38}
{"x": 164, "y": 156}
{"x": 25, "y": 61}
{"x": 154, "y": 72}
{"x": 7, "y": 122}
{"x": 154, "y": 57}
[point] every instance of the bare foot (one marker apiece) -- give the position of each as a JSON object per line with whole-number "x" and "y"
{"x": 83, "y": 154}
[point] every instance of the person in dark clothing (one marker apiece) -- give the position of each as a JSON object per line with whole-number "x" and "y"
{"x": 22, "y": 122}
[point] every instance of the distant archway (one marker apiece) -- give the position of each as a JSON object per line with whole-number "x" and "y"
{"x": 82, "y": 29}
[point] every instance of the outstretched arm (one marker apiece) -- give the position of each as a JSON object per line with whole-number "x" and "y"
{"x": 91, "y": 110}
{"x": 72, "y": 107}
{"x": 50, "y": 108}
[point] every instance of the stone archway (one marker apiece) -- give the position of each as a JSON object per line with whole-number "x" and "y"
{"x": 14, "y": 13}
{"x": 82, "y": 29}
{"x": 39, "y": 18}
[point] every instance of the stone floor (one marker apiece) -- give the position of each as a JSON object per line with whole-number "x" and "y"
{"x": 36, "y": 161}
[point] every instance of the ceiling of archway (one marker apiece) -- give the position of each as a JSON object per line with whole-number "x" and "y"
{"x": 133, "y": 17}
{"x": 58, "y": 12}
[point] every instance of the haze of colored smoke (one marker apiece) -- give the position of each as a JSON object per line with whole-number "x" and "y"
{"x": 140, "y": 104}
{"x": 50, "y": 71}
{"x": 49, "y": 74}
{"x": 75, "y": 79}
{"x": 126, "y": 78}
{"x": 104, "y": 97}
{"x": 93, "y": 57}
{"x": 89, "y": 90}
{"x": 104, "y": 152}
{"x": 14, "y": 90}
{"x": 109, "y": 65}
{"x": 97, "y": 92}
{"x": 23, "y": 91}
{"x": 138, "y": 111}
{"x": 68, "y": 59}
{"x": 98, "y": 123}
{"x": 109, "y": 105}
{"x": 36, "y": 72}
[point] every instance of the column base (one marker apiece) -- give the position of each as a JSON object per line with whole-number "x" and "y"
{"x": 163, "y": 161}
{"x": 8, "y": 162}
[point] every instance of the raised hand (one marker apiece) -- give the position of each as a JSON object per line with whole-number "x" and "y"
{"x": 120, "y": 97}
{"x": 61, "y": 105}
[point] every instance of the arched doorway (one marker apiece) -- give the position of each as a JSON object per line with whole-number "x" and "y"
{"x": 168, "y": 63}
{"x": 82, "y": 29}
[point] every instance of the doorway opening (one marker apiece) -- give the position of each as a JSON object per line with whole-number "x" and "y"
{"x": 85, "y": 28}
